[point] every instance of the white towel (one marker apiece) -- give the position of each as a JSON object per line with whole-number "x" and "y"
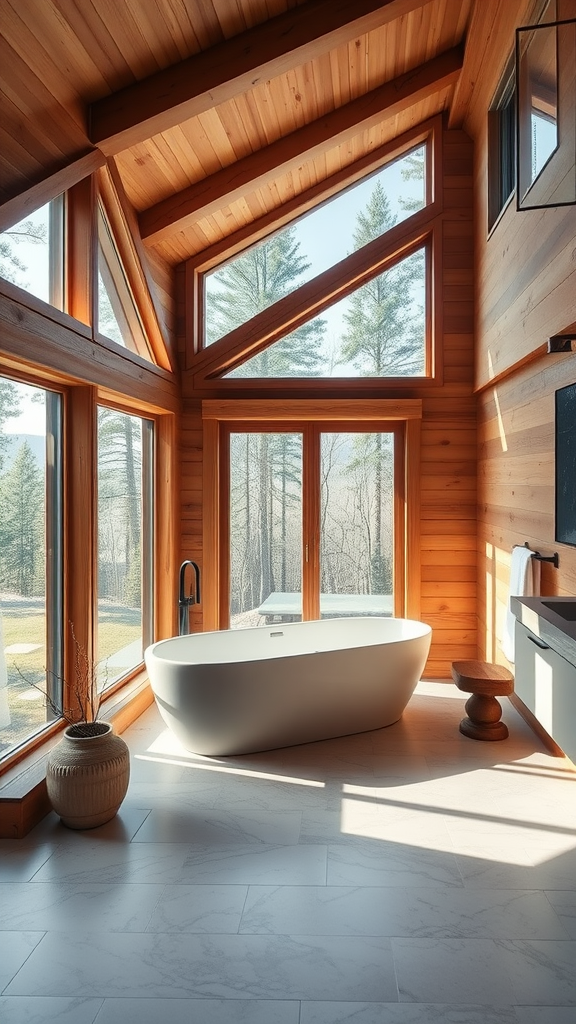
{"x": 524, "y": 582}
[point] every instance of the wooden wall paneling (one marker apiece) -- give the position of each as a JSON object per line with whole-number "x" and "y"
{"x": 516, "y": 488}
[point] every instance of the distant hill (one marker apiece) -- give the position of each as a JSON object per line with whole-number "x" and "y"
{"x": 13, "y": 443}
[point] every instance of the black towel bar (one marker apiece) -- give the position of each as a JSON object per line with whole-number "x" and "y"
{"x": 544, "y": 558}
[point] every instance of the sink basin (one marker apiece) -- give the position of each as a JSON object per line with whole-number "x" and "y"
{"x": 565, "y": 609}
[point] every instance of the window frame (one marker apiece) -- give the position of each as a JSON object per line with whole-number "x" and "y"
{"x": 502, "y": 146}
{"x": 222, "y": 415}
{"x": 327, "y": 287}
{"x": 148, "y": 533}
{"x": 54, "y": 559}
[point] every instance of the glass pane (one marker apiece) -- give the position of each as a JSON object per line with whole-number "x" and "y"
{"x": 30, "y": 560}
{"x": 377, "y": 331}
{"x": 265, "y": 529}
{"x": 32, "y": 253}
{"x": 118, "y": 317}
{"x": 357, "y": 524}
{"x": 272, "y": 269}
{"x": 122, "y": 543}
{"x": 546, "y": 122}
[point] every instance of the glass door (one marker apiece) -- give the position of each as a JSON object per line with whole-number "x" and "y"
{"x": 356, "y": 524}
{"x": 265, "y": 528}
{"x": 311, "y": 524}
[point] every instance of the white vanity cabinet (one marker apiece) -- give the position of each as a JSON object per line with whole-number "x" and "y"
{"x": 546, "y": 682}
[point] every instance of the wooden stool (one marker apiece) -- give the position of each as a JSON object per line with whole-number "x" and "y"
{"x": 484, "y": 681}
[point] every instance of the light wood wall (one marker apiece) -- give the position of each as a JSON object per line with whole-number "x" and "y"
{"x": 526, "y": 291}
{"x": 448, "y": 452}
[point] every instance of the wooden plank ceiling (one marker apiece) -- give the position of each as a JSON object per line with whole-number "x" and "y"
{"x": 216, "y": 112}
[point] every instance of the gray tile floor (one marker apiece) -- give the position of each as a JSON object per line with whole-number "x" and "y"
{"x": 404, "y": 876}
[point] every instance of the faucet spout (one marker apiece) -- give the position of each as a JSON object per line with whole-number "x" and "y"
{"x": 185, "y": 601}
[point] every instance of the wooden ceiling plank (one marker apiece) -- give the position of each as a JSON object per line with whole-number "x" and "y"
{"x": 213, "y": 76}
{"x": 176, "y": 212}
{"x": 38, "y": 195}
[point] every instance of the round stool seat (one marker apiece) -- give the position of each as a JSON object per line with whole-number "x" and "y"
{"x": 484, "y": 681}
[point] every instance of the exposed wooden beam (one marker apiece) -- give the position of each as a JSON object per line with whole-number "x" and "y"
{"x": 43, "y": 192}
{"x": 220, "y": 189}
{"x": 33, "y": 333}
{"x": 490, "y": 32}
{"x": 184, "y": 90}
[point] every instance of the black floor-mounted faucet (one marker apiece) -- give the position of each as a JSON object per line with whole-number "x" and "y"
{"x": 185, "y": 602}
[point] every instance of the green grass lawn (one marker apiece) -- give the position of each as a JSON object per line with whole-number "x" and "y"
{"x": 27, "y": 706}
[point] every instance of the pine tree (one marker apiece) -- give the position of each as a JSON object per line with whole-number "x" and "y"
{"x": 22, "y": 525}
{"x": 11, "y": 266}
{"x": 252, "y": 283}
{"x": 9, "y": 406}
{"x": 385, "y": 325}
{"x": 119, "y": 505}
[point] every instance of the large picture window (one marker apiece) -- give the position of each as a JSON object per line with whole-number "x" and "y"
{"x": 30, "y": 560}
{"x": 125, "y": 459}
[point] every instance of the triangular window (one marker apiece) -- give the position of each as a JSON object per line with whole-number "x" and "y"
{"x": 378, "y": 330}
{"x": 118, "y": 317}
{"x": 276, "y": 267}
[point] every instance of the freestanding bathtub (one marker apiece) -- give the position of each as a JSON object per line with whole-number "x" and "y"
{"x": 239, "y": 691}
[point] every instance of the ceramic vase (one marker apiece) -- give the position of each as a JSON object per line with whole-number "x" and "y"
{"x": 87, "y": 774}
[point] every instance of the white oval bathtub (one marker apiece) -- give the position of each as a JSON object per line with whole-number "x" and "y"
{"x": 239, "y": 691}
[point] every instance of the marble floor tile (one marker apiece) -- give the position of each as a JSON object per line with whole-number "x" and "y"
{"x": 200, "y": 795}
{"x": 114, "y": 862}
{"x": 545, "y": 1014}
{"x": 487, "y": 873}
{"x": 542, "y": 972}
{"x": 20, "y": 859}
{"x": 384, "y": 863}
{"x": 214, "y": 966}
{"x": 451, "y": 971}
{"x": 404, "y": 1013}
{"x": 220, "y": 827}
{"x": 564, "y": 904}
{"x": 445, "y": 912}
{"x": 53, "y": 1010}
{"x": 121, "y": 828}
{"x": 404, "y": 876}
{"x": 91, "y": 906}
{"x": 211, "y": 909}
{"x": 15, "y": 948}
{"x": 199, "y": 1011}
{"x": 320, "y": 910}
{"x": 255, "y": 865}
